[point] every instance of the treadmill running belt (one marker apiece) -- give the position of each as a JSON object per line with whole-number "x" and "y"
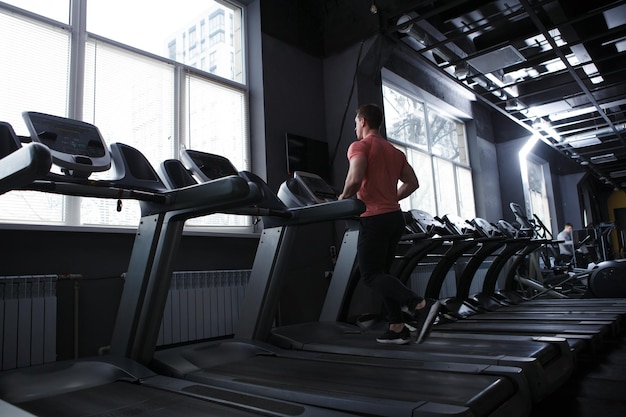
{"x": 335, "y": 379}
{"x": 125, "y": 399}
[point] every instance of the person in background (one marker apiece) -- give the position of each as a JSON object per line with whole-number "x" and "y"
{"x": 566, "y": 243}
{"x": 375, "y": 169}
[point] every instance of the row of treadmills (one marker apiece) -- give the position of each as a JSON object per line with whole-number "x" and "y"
{"x": 491, "y": 353}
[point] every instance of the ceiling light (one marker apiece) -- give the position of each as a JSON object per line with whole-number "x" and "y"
{"x": 461, "y": 71}
{"x": 601, "y": 159}
{"x": 615, "y": 17}
{"x": 618, "y": 174}
{"x": 512, "y": 105}
{"x": 582, "y": 142}
{"x": 580, "y": 111}
{"x": 404, "y": 23}
{"x": 373, "y": 8}
{"x": 498, "y": 59}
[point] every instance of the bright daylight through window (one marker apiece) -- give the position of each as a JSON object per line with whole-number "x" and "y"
{"x": 154, "y": 78}
{"x": 435, "y": 146}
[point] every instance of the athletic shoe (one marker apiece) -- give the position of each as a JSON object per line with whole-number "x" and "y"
{"x": 425, "y": 318}
{"x": 395, "y": 338}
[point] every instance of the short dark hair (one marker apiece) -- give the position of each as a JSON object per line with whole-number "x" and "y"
{"x": 568, "y": 224}
{"x": 372, "y": 114}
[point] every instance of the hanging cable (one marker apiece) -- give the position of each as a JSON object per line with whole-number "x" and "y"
{"x": 345, "y": 113}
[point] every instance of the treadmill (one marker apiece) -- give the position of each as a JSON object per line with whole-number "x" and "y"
{"x": 479, "y": 227}
{"x": 583, "y": 331}
{"x": 114, "y": 384}
{"x": 507, "y": 302}
{"x": 354, "y": 346}
{"x": 546, "y": 361}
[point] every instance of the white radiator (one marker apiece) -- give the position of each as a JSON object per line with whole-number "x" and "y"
{"x": 28, "y": 314}
{"x": 202, "y": 305}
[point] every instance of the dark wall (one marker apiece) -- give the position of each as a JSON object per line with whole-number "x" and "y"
{"x": 92, "y": 265}
{"x": 511, "y": 186}
{"x": 570, "y": 208}
{"x": 294, "y": 103}
{"x": 101, "y": 254}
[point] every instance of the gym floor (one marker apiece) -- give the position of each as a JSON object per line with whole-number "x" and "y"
{"x": 597, "y": 388}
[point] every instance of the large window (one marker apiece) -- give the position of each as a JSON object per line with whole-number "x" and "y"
{"x": 132, "y": 75}
{"x": 538, "y": 193}
{"x": 435, "y": 145}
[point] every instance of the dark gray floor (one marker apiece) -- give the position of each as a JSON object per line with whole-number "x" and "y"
{"x": 597, "y": 388}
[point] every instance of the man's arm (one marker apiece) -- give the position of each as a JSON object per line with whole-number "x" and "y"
{"x": 356, "y": 173}
{"x": 409, "y": 182}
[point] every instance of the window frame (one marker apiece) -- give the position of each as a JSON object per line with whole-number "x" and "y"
{"x": 430, "y": 104}
{"x": 79, "y": 37}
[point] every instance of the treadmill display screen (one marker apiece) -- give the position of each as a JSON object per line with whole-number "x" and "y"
{"x": 76, "y": 146}
{"x": 319, "y": 187}
{"x": 67, "y": 136}
{"x": 212, "y": 166}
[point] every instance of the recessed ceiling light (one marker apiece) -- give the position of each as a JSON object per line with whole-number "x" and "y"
{"x": 601, "y": 159}
{"x": 498, "y": 59}
{"x": 582, "y": 142}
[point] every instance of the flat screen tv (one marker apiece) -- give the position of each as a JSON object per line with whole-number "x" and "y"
{"x": 308, "y": 155}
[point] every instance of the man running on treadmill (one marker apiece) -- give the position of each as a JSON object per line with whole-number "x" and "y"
{"x": 375, "y": 167}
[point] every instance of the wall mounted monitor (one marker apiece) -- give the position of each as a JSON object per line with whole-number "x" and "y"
{"x": 77, "y": 147}
{"x": 308, "y": 155}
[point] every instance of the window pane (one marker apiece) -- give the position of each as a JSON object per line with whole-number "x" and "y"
{"x": 535, "y": 177}
{"x": 31, "y": 207}
{"x": 218, "y": 124}
{"x": 130, "y": 98}
{"x": 443, "y": 166}
{"x": 217, "y": 121}
{"x": 404, "y": 118}
{"x": 186, "y": 31}
{"x": 45, "y": 72}
{"x": 424, "y": 197}
{"x": 467, "y": 209}
{"x": 539, "y": 204}
{"x": 446, "y": 137}
{"x": 58, "y": 10}
{"x": 446, "y": 187}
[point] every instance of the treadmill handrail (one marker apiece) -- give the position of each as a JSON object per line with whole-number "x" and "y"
{"x": 332, "y": 210}
{"x": 214, "y": 192}
{"x": 24, "y": 166}
{"x": 317, "y": 213}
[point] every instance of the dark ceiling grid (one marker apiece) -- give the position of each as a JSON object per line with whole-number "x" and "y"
{"x": 532, "y": 37}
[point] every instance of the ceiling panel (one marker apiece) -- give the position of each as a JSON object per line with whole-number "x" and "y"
{"x": 558, "y": 67}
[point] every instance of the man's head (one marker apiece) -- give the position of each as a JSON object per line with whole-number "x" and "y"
{"x": 568, "y": 227}
{"x": 368, "y": 117}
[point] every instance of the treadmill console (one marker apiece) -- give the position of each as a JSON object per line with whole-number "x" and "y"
{"x": 305, "y": 189}
{"x": 75, "y": 146}
{"x": 205, "y": 166}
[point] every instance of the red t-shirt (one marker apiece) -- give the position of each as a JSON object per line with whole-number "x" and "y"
{"x": 384, "y": 164}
